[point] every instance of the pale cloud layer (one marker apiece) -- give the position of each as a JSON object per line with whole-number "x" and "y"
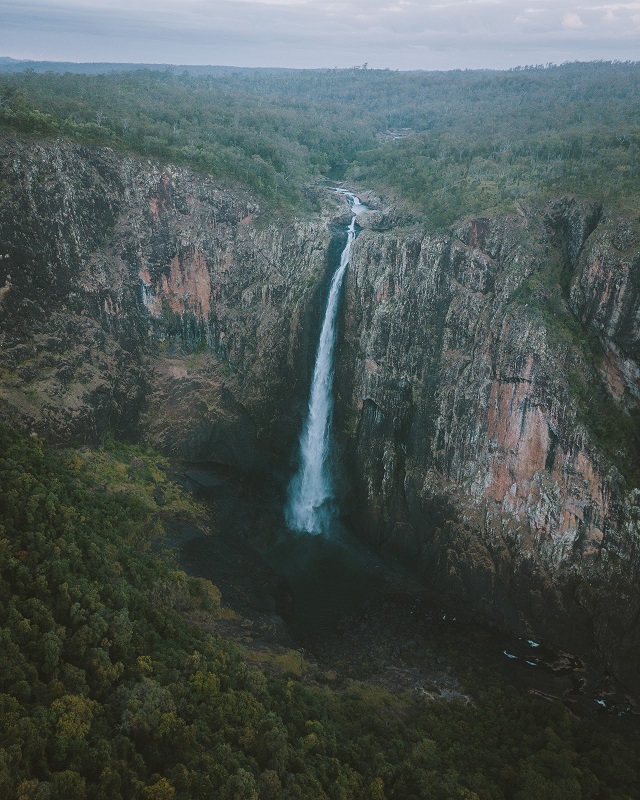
{"x": 400, "y": 34}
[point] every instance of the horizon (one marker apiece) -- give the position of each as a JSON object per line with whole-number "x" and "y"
{"x": 194, "y": 65}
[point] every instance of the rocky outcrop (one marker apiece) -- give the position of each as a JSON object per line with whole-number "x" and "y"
{"x": 470, "y": 421}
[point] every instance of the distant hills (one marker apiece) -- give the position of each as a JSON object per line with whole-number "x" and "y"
{"x": 102, "y": 67}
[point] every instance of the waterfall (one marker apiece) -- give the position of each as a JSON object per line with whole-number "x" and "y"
{"x": 311, "y": 494}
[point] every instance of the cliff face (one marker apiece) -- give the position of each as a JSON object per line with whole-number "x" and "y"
{"x": 487, "y": 381}
{"x": 485, "y": 366}
{"x": 151, "y": 302}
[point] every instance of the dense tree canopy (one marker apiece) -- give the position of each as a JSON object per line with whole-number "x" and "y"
{"x": 449, "y": 143}
{"x": 109, "y": 689}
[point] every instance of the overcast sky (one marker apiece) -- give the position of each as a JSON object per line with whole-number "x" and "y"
{"x": 399, "y": 34}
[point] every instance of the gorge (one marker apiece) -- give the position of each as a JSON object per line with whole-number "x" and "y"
{"x": 287, "y": 513}
{"x": 485, "y": 378}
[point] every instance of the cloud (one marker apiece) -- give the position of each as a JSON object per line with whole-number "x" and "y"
{"x": 572, "y": 21}
{"x": 405, "y": 34}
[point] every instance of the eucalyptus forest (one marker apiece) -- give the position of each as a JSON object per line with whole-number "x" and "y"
{"x": 124, "y": 673}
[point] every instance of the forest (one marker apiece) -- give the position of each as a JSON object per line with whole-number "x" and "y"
{"x": 443, "y": 144}
{"x": 116, "y": 685}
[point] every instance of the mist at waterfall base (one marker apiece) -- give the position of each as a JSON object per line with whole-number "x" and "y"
{"x": 313, "y": 582}
{"x": 311, "y": 506}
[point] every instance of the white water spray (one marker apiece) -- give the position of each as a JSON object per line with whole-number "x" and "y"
{"x": 311, "y": 493}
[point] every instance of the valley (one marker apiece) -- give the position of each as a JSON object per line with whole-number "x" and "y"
{"x": 318, "y": 493}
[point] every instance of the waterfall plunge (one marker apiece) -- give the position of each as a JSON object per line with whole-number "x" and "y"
{"x": 311, "y": 494}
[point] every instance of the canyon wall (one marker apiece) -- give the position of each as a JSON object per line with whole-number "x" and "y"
{"x": 489, "y": 386}
{"x": 150, "y": 302}
{"x": 487, "y": 379}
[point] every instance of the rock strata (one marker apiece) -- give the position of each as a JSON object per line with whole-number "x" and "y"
{"x": 467, "y": 372}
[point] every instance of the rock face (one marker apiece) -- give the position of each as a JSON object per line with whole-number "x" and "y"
{"x": 486, "y": 366}
{"x": 150, "y": 302}
{"x": 488, "y": 381}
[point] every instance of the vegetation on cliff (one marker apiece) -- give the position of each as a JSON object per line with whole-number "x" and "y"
{"x": 115, "y": 684}
{"x": 449, "y": 143}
